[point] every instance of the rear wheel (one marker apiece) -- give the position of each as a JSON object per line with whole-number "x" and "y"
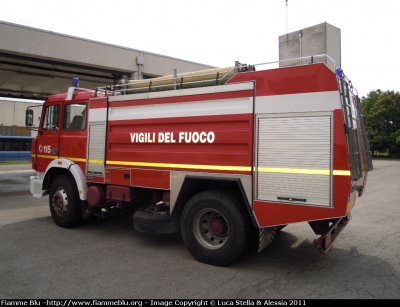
{"x": 216, "y": 227}
{"x": 64, "y": 201}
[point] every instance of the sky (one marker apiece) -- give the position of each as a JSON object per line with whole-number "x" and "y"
{"x": 220, "y": 32}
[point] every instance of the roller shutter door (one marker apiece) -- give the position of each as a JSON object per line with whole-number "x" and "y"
{"x": 294, "y": 160}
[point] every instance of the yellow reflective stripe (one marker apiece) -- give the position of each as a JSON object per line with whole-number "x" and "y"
{"x": 74, "y": 159}
{"x": 189, "y": 166}
{"x": 69, "y": 158}
{"x": 96, "y": 161}
{"x": 294, "y": 171}
{"x": 214, "y": 167}
{"x": 47, "y": 157}
{"x": 303, "y": 171}
{"x": 83, "y": 160}
{"x": 341, "y": 173}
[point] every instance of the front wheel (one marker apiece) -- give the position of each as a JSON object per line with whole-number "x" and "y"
{"x": 64, "y": 201}
{"x": 216, "y": 227}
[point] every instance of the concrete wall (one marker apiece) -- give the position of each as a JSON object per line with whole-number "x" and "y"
{"x": 12, "y": 117}
{"x": 319, "y": 39}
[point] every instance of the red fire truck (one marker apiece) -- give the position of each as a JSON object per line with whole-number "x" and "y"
{"x": 223, "y": 156}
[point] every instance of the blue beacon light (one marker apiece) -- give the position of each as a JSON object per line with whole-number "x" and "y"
{"x": 339, "y": 72}
{"x": 75, "y": 82}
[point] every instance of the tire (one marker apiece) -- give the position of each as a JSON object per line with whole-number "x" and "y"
{"x": 216, "y": 228}
{"x": 65, "y": 204}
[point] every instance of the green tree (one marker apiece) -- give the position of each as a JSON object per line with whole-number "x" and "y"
{"x": 366, "y": 105}
{"x": 382, "y": 121}
{"x": 369, "y": 101}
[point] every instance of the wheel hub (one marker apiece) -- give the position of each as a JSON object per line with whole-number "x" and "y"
{"x": 218, "y": 226}
{"x": 210, "y": 228}
{"x": 60, "y": 202}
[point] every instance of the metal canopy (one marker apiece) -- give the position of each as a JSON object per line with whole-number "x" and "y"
{"x": 35, "y": 78}
{"x": 35, "y": 63}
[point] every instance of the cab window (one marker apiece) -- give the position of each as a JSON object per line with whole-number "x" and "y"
{"x": 74, "y": 116}
{"x": 51, "y": 117}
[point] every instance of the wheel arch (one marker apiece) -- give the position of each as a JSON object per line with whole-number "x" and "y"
{"x": 59, "y": 167}
{"x": 194, "y": 184}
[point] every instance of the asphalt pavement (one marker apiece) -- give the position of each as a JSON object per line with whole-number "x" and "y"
{"x": 15, "y": 178}
{"x": 15, "y": 167}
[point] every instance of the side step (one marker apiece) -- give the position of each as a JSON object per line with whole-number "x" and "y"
{"x": 325, "y": 241}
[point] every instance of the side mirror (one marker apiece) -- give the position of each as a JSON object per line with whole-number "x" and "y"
{"x": 29, "y": 118}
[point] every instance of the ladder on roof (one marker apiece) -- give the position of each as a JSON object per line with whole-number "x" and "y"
{"x": 364, "y": 139}
{"x": 351, "y": 131}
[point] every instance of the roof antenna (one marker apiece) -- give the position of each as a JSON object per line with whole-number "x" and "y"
{"x": 287, "y": 37}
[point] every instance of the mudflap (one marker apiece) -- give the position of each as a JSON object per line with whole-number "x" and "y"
{"x": 329, "y": 231}
{"x": 265, "y": 237}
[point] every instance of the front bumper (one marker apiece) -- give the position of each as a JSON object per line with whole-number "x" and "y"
{"x": 36, "y": 185}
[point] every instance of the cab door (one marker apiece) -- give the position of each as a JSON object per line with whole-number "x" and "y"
{"x": 73, "y": 138}
{"x": 48, "y": 138}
